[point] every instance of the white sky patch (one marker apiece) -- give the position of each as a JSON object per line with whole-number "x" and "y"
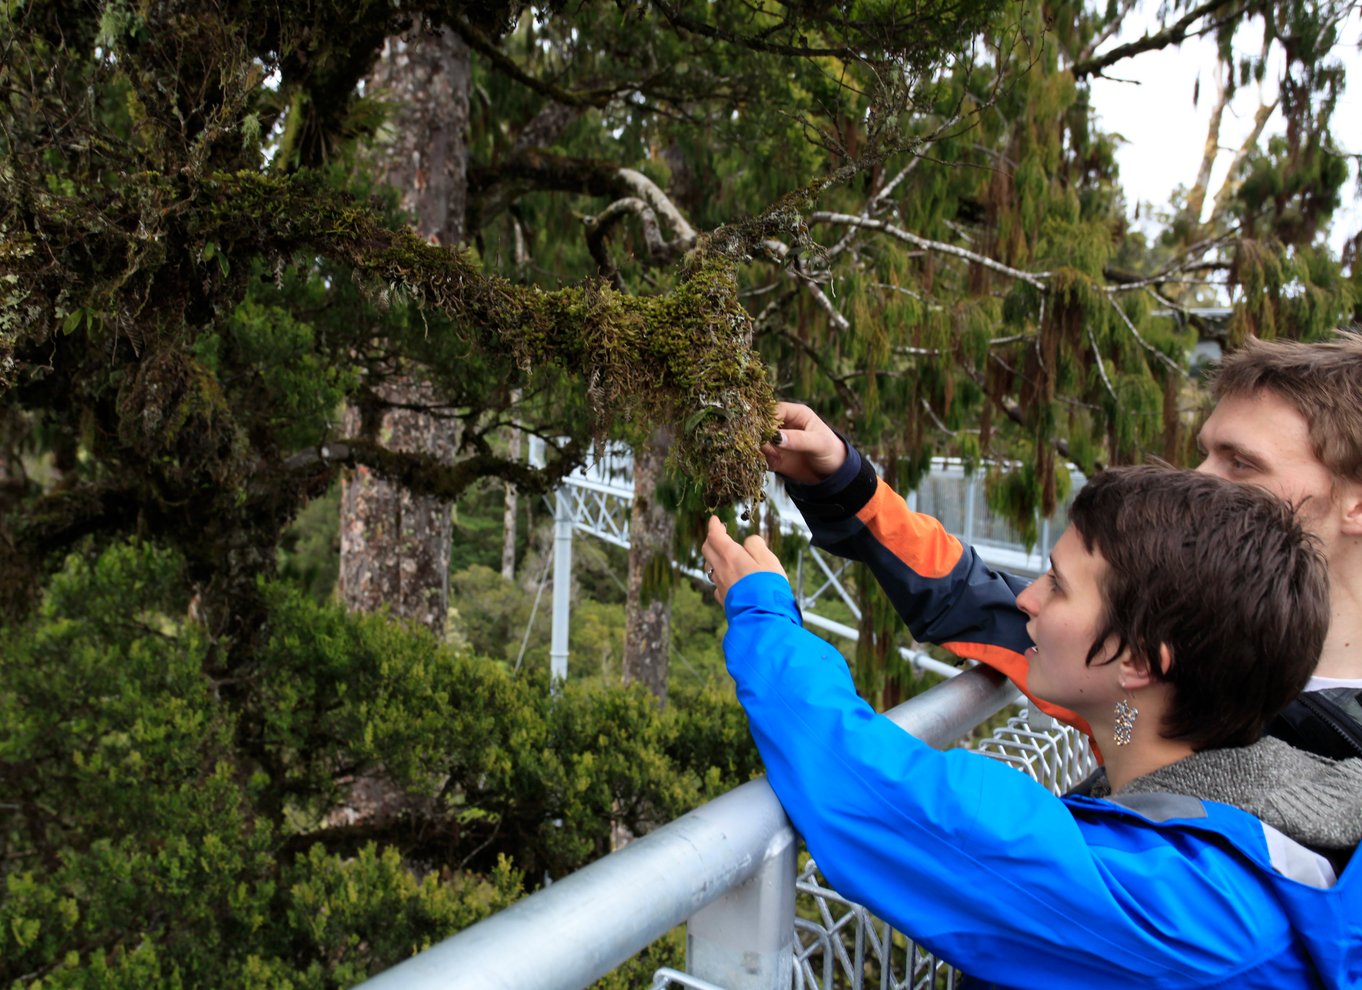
{"x": 1147, "y": 100}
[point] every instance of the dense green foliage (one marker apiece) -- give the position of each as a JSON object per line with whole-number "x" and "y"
{"x": 166, "y": 827}
{"x": 987, "y": 296}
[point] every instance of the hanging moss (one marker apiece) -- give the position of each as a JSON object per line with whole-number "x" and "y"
{"x": 1082, "y": 449}
{"x": 1258, "y": 269}
{"x": 1138, "y": 421}
{"x": 1015, "y": 495}
{"x": 682, "y": 357}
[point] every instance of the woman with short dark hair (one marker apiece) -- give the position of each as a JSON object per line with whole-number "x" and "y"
{"x": 1181, "y": 612}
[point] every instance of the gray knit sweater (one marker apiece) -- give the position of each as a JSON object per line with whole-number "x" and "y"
{"x": 1313, "y": 800}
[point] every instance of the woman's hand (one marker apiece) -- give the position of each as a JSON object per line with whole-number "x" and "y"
{"x": 727, "y": 561}
{"x": 806, "y": 450}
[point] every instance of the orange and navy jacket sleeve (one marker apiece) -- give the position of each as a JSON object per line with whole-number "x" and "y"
{"x": 941, "y": 588}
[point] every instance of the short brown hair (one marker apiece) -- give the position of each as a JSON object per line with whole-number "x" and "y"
{"x": 1222, "y": 574}
{"x": 1322, "y": 381}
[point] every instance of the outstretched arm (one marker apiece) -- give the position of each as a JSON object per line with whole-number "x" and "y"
{"x": 941, "y": 588}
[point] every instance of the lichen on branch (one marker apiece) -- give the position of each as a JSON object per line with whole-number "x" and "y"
{"x": 682, "y": 357}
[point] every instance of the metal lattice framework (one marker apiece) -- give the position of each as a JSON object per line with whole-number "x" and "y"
{"x": 1058, "y": 756}
{"x": 597, "y": 500}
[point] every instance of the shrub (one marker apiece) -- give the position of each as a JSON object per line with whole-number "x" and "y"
{"x": 355, "y": 793}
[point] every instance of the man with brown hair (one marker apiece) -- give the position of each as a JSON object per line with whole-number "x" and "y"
{"x": 1289, "y": 419}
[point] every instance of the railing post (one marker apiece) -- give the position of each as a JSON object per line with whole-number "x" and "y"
{"x": 745, "y": 939}
{"x": 562, "y": 584}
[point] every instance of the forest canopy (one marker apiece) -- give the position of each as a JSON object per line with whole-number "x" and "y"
{"x": 237, "y": 239}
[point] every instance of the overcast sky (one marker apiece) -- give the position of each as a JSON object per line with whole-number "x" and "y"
{"x": 1165, "y": 132}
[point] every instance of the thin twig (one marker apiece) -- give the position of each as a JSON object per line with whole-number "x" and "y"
{"x": 1101, "y": 365}
{"x": 1168, "y": 362}
{"x": 1030, "y": 278}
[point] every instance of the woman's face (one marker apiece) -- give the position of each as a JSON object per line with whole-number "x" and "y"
{"x": 1065, "y": 607}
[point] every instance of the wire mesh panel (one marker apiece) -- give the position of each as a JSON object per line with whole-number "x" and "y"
{"x": 845, "y": 946}
{"x": 1058, "y": 756}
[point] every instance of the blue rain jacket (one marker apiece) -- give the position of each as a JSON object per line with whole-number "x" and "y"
{"x": 1015, "y": 886}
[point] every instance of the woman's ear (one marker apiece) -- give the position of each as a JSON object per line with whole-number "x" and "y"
{"x": 1135, "y": 670}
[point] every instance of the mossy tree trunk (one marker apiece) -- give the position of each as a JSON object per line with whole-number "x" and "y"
{"x": 648, "y": 611}
{"x": 395, "y": 544}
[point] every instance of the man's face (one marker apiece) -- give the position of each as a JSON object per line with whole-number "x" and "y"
{"x": 1261, "y": 439}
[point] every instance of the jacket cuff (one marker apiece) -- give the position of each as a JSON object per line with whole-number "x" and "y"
{"x": 840, "y": 495}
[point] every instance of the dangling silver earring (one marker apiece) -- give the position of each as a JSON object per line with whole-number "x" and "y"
{"x": 1125, "y": 721}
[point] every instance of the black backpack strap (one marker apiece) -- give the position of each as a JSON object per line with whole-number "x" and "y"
{"x": 1326, "y": 723}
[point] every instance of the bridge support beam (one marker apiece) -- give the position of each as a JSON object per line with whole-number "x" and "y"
{"x": 562, "y": 584}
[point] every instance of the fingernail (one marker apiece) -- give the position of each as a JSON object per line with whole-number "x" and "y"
{"x": 778, "y": 439}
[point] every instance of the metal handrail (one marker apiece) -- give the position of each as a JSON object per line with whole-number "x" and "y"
{"x": 727, "y": 868}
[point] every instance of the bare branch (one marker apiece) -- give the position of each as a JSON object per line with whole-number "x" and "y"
{"x": 936, "y": 420}
{"x": 1174, "y": 34}
{"x": 874, "y": 205}
{"x": 1031, "y": 278}
{"x": 647, "y": 190}
{"x": 1167, "y": 362}
{"x": 1196, "y": 198}
{"x": 648, "y": 202}
{"x": 799, "y": 277}
{"x": 906, "y": 351}
{"x": 821, "y": 298}
{"x": 1101, "y": 365}
{"x": 1228, "y": 187}
{"x": 522, "y": 247}
{"x": 1183, "y": 262}
{"x": 1107, "y": 33}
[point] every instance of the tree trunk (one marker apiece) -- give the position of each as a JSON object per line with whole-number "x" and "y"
{"x": 395, "y": 545}
{"x": 652, "y": 527}
{"x": 512, "y": 502}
